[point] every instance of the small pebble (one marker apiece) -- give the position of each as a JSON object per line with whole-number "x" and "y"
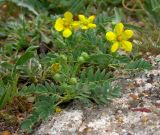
{"x": 148, "y": 86}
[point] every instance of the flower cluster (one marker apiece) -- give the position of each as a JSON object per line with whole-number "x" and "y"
{"x": 119, "y": 37}
{"x": 67, "y": 24}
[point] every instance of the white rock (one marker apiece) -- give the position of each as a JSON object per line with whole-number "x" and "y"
{"x": 158, "y": 101}
{"x": 139, "y": 81}
{"x": 148, "y": 86}
{"x": 66, "y": 123}
{"x": 98, "y": 124}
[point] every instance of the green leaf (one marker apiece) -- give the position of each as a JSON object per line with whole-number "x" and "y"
{"x": 32, "y": 48}
{"x": 8, "y": 91}
{"x": 4, "y": 98}
{"x": 102, "y": 59}
{"x": 38, "y": 89}
{"x": 45, "y": 39}
{"x": 43, "y": 108}
{"x": 27, "y": 125}
{"x": 118, "y": 15}
{"x": 24, "y": 58}
{"x": 25, "y": 4}
{"x": 103, "y": 18}
{"x": 76, "y": 5}
{"x": 157, "y": 59}
{"x": 89, "y": 75}
{"x": 139, "y": 64}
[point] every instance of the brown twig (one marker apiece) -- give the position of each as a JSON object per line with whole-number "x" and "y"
{"x": 130, "y": 9}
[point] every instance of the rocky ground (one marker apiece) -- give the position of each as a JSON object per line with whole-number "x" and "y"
{"x": 136, "y": 112}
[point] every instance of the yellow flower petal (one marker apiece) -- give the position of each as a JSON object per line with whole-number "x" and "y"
{"x": 84, "y": 27}
{"x": 68, "y": 16}
{"x": 127, "y": 34}
{"x": 92, "y": 25}
{"x": 115, "y": 47}
{"x": 91, "y": 18}
{"x": 81, "y": 17}
{"x": 110, "y": 36}
{"x": 127, "y": 46}
{"x": 59, "y": 24}
{"x": 67, "y": 33}
{"x": 119, "y": 28}
{"x": 75, "y": 24}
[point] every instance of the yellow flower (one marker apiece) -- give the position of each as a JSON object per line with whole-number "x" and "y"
{"x": 86, "y": 23}
{"x": 66, "y": 24}
{"x": 120, "y": 38}
{"x": 58, "y": 109}
{"x": 56, "y": 67}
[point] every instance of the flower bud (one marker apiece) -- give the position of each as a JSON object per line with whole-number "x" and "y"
{"x": 63, "y": 57}
{"x": 57, "y": 77}
{"x": 81, "y": 59}
{"x": 73, "y": 80}
{"x": 85, "y": 55}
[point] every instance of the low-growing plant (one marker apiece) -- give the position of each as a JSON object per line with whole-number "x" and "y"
{"x": 61, "y": 58}
{"x": 80, "y": 70}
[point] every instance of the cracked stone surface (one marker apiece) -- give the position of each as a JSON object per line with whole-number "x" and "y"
{"x": 136, "y": 112}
